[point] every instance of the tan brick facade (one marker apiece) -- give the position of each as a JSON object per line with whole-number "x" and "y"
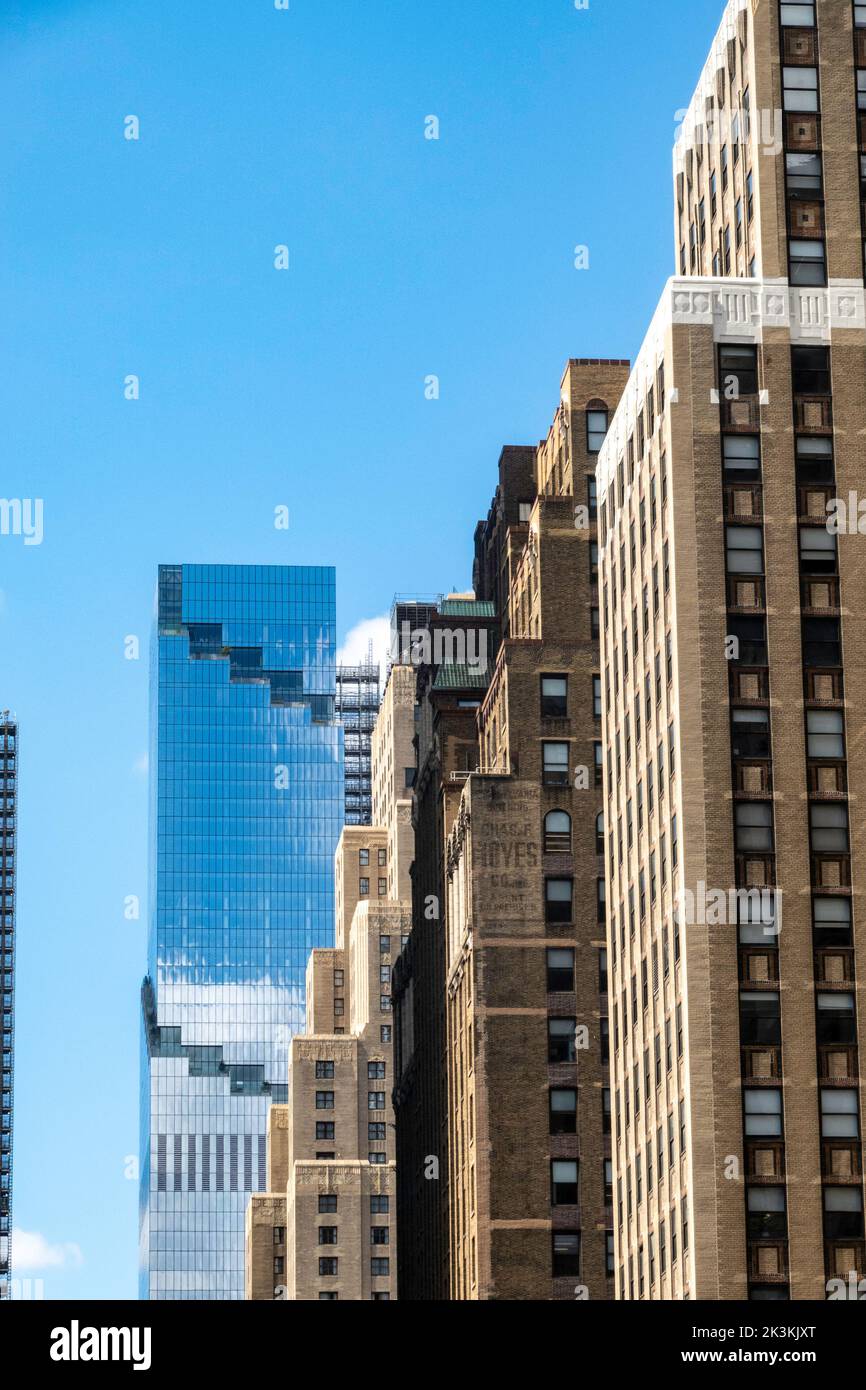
{"x": 325, "y": 1230}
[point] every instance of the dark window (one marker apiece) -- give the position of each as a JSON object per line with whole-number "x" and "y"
{"x": 566, "y": 1254}
{"x": 836, "y": 1022}
{"x": 327, "y": 1235}
{"x": 822, "y": 644}
{"x": 767, "y": 1214}
{"x": 560, "y": 968}
{"x": 558, "y": 899}
{"x": 560, "y": 1039}
{"x": 810, "y": 370}
{"x": 563, "y": 1182}
{"x": 738, "y": 370}
{"x": 563, "y": 1111}
{"x": 327, "y": 1202}
{"x": 843, "y": 1213}
{"x": 760, "y": 1019}
{"x": 554, "y": 697}
{"x": 751, "y": 635}
{"x": 327, "y": 1267}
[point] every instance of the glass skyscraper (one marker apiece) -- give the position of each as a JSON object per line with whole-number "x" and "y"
{"x": 247, "y": 786}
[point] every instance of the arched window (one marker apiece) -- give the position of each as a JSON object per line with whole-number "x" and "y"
{"x": 557, "y": 831}
{"x": 597, "y": 417}
{"x": 599, "y": 833}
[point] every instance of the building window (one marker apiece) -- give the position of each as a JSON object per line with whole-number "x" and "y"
{"x": 375, "y": 1071}
{"x": 744, "y": 549}
{"x": 377, "y": 1158}
{"x": 558, "y": 899}
{"x": 327, "y": 1235}
{"x": 380, "y": 1268}
{"x": 836, "y": 1023}
{"x": 380, "y": 1235}
{"x": 328, "y": 1296}
{"x": 409, "y": 777}
{"x": 383, "y": 887}
{"x": 383, "y": 857}
{"x": 566, "y": 1254}
{"x": 384, "y": 1003}
{"x": 524, "y": 512}
{"x": 808, "y": 262}
{"x": 563, "y": 1183}
{"x": 843, "y": 1213}
{"x": 384, "y": 974}
{"x": 325, "y": 1099}
{"x": 338, "y": 979}
{"x": 324, "y": 1129}
{"x": 379, "y": 1204}
{"x": 596, "y": 429}
{"x": 560, "y": 1040}
{"x": 828, "y": 823}
{"x": 327, "y": 1202}
{"x": 279, "y": 1235}
{"x": 840, "y": 1117}
{"x": 754, "y": 827}
{"x": 554, "y": 697}
{"x": 324, "y": 1070}
{"x": 327, "y": 1268}
{"x": 363, "y": 887}
{"x": 560, "y": 969}
{"x": 385, "y": 1033}
{"x": 763, "y": 1111}
{"x": 339, "y": 1008}
{"x": 741, "y": 457}
{"x": 563, "y": 1111}
{"x": 384, "y": 945}
{"x": 798, "y": 16}
{"x": 376, "y": 1131}
{"x": 760, "y": 1019}
{"x": 767, "y": 1213}
{"x": 800, "y": 89}
{"x": 555, "y": 764}
{"x": 596, "y": 697}
{"x": 363, "y": 857}
{"x": 557, "y": 832}
{"x": 375, "y": 1100}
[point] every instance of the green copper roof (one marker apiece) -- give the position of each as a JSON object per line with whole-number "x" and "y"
{"x": 467, "y": 608}
{"x": 460, "y": 677}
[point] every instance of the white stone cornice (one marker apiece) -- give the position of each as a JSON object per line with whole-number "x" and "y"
{"x": 737, "y": 310}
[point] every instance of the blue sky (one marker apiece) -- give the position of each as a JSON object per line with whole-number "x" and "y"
{"x": 262, "y": 388}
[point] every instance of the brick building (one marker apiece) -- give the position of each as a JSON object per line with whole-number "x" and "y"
{"x": 325, "y": 1228}
{"x": 733, "y": 687}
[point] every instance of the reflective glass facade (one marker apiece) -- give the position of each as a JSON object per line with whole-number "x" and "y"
{"x": 247, "y": 787}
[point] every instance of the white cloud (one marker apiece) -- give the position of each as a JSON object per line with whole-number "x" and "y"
{"x": 30, "y": 1251}
{"x": 357, "y": 641}
{"x": 141, "y": 765}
